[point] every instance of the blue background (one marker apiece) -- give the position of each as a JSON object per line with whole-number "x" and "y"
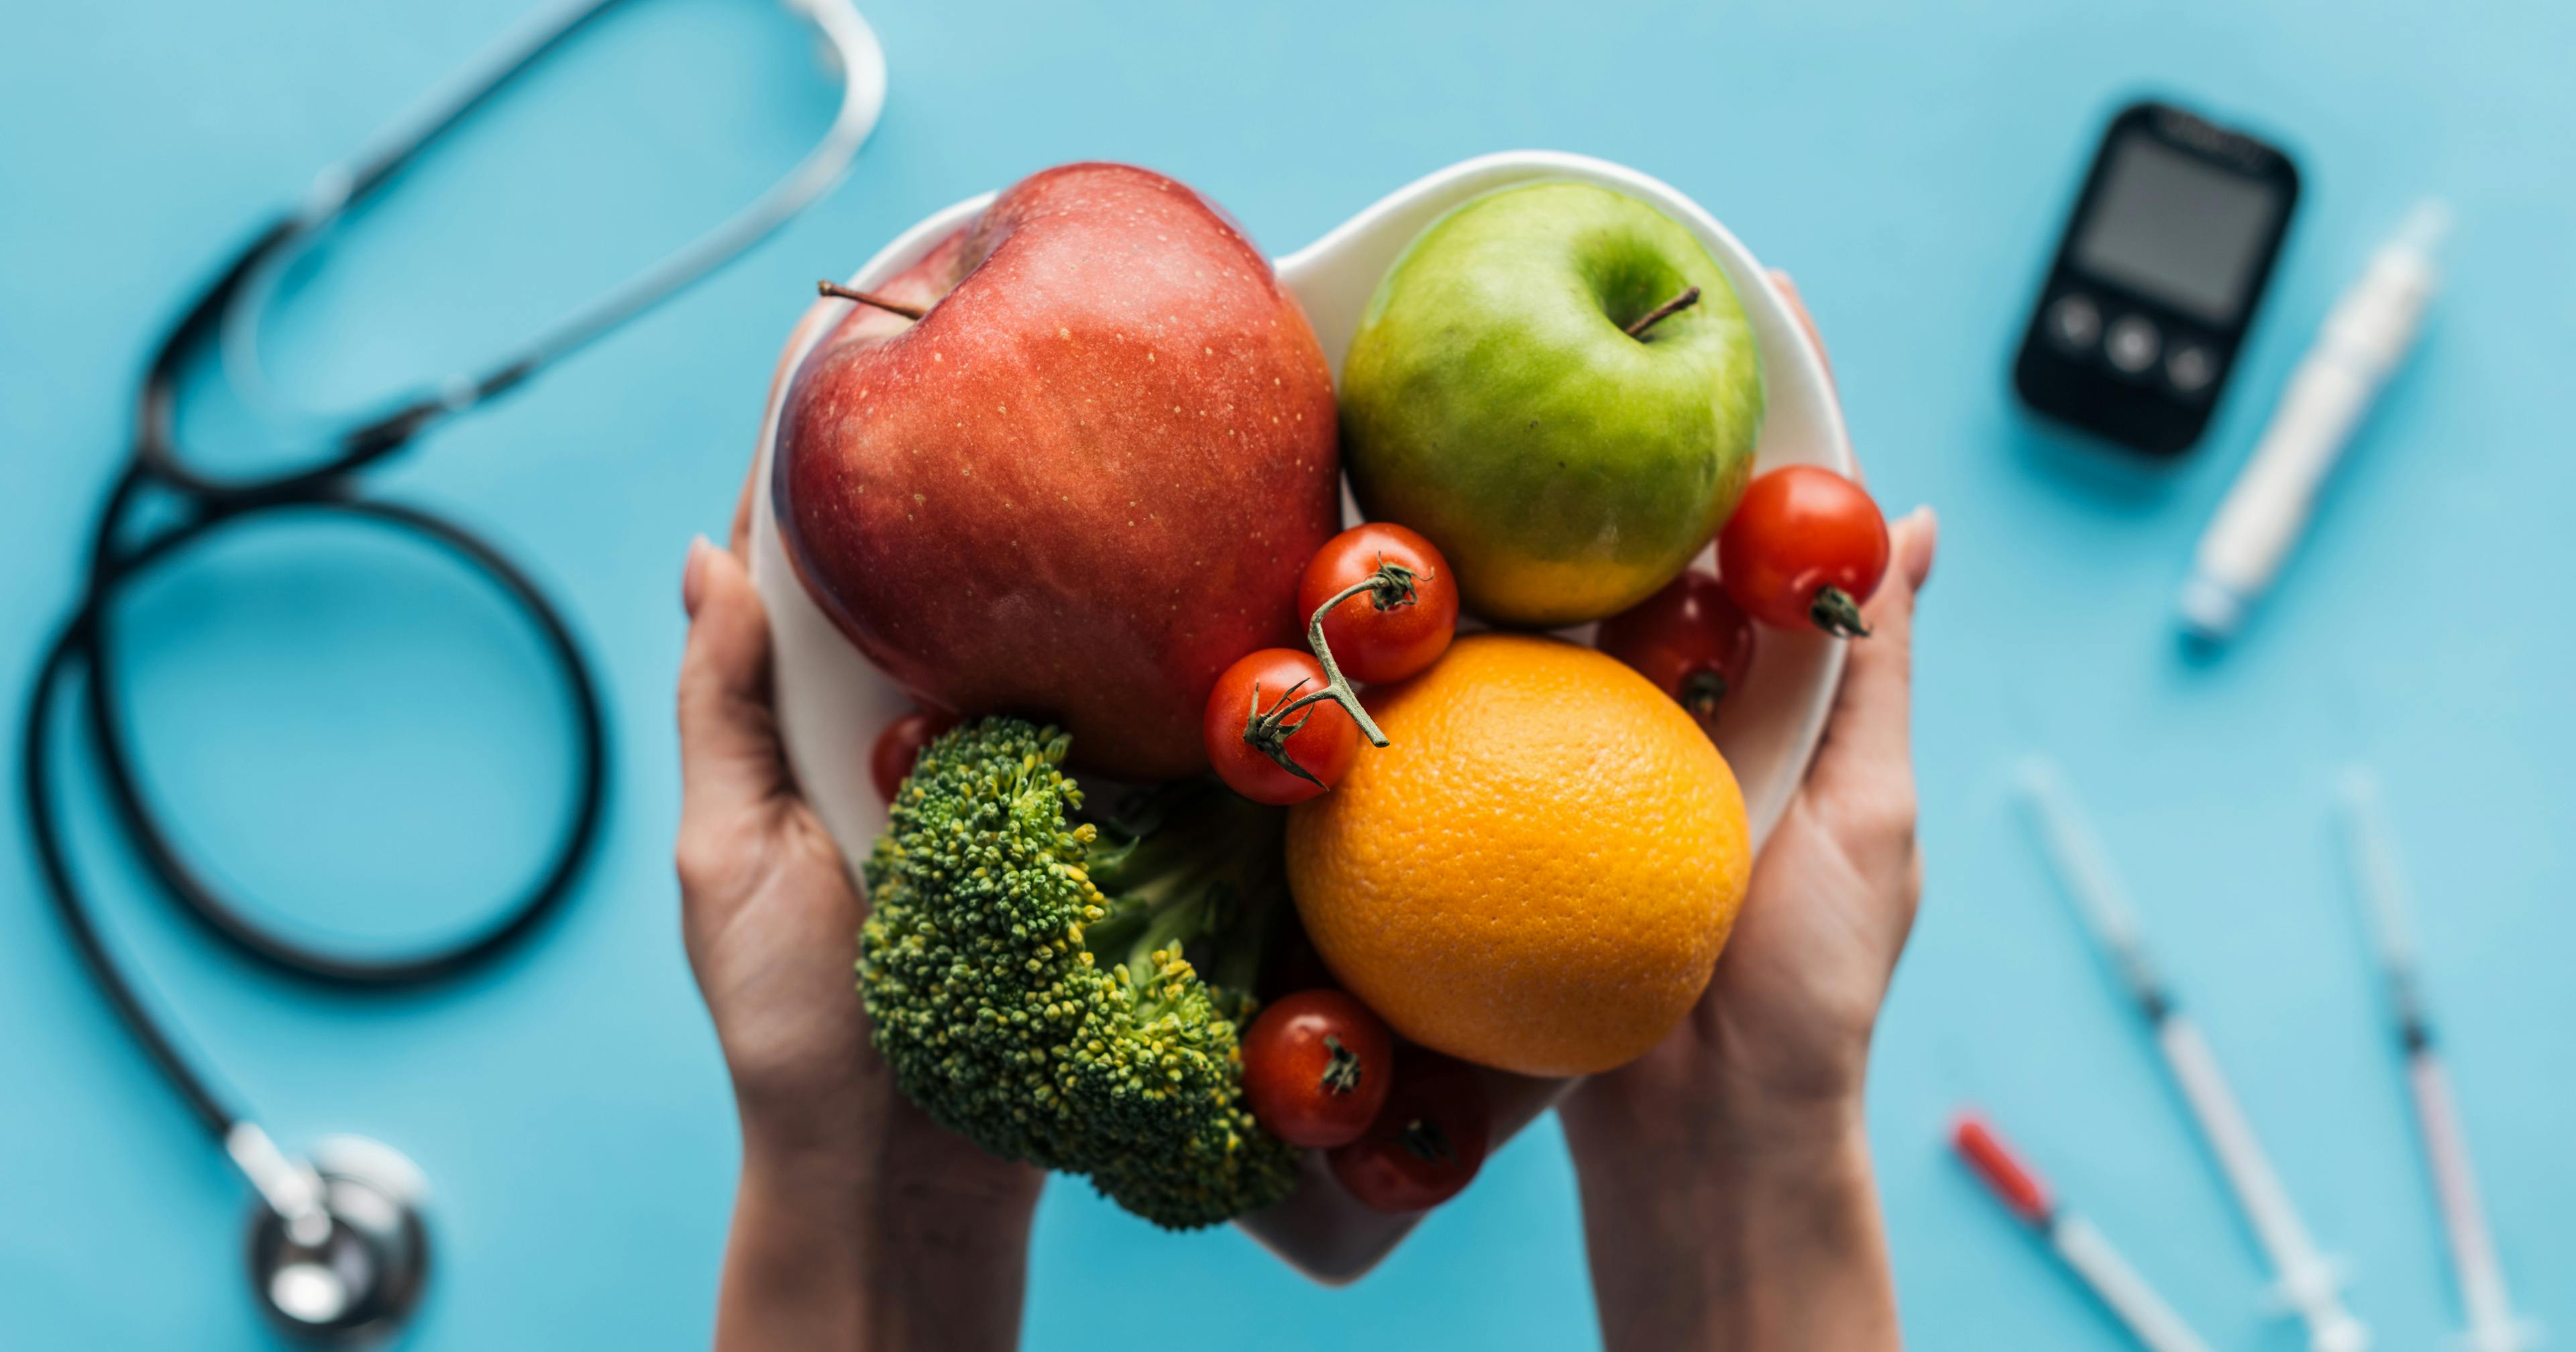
{"x": 371, "y": 747}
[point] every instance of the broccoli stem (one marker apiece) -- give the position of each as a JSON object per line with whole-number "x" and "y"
{"x": 1028, "y": 1045}
{"x": 1193, "y": 869}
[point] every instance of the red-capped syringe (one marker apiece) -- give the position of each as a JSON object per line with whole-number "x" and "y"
{"x": 2072, "y": 1238}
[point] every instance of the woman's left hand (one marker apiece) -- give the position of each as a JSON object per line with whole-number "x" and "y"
{"x": 858, "y": 1221}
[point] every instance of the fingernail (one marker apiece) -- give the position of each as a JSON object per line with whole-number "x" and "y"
{"x": 1925, "y": 524}
{"x": 693, "y": 577}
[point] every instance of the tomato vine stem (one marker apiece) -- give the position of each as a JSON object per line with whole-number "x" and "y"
{"x": 1268, "y": 730}
{"x": 1833, "y": 610}
{"x": 1388, "y": 586}
{"x": 1268, "y": 733}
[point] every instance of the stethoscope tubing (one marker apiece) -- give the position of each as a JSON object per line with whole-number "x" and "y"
{"x": 84, "y": 644}
{"x": 85, "y": 641}
{"x": 35, "y": 786}
{"x": 338, "y": 188}
{"x": 171, "y": 869}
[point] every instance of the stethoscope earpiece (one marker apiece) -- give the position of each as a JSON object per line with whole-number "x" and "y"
{"x": 354, "y": 1279}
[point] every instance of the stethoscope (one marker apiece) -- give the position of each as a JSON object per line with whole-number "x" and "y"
{"x": 338, "y": 1248}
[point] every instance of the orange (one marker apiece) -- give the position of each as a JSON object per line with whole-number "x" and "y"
{"x": 1538, "y": 871}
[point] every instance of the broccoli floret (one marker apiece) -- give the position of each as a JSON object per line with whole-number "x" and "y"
{"x": 1035, "y": 982}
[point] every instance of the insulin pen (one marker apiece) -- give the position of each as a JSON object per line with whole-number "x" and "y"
{"x": 2304, "y": 1279}
{"x": 2492, "y": 1326}
{"x": 2364, "y": 338}
{"x": 2074, "y": 1240}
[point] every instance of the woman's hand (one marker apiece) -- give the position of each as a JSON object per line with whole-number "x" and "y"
{"x": 1726, "y": 1182}
{"x": 858, "y": 1221}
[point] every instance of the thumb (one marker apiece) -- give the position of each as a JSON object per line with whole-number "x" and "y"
{"x": 730, "y": 761}
{"x": 1866, "y": 750}
{"x": 1806, "y": 319}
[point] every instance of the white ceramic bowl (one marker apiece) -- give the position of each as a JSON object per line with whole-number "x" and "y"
{"x": 831, "y": 703}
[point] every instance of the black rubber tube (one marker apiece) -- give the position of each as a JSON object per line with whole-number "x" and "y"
{"x": 84, "y": 646}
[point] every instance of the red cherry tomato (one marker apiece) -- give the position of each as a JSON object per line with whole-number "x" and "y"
{"x": 1403, "y": 622}
{"x": 1317, "y": 1066}
{"x": 899, "y": 745}
{"x": 1253, "y": 739}
{"x": 1427, "y": 1142}
{"x": 1805, "y": 546}
{"x": 1690, "y": 638}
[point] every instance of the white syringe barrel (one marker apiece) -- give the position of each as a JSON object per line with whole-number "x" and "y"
{"x": 2367, "y": 334}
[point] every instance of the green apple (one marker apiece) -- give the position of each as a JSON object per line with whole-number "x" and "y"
{"x": 1495, "y": 399}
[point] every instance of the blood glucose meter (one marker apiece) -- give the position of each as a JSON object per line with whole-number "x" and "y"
{"x": 2156, "y": 278}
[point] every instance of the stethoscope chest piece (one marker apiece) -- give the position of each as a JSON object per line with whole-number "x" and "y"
{"x": 358, "y": 1283}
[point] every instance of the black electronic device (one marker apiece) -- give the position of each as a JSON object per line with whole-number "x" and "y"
{"x": 2156, "y": 279}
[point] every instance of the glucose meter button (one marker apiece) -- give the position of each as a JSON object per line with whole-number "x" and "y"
{"x": 2190, "y": 368}
{"x": 2074, "y": 321}
{"x": 2132, "y": 344}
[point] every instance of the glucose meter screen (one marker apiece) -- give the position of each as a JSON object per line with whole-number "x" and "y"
{"x": 2177, "y": 230}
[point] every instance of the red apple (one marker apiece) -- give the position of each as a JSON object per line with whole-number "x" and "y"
{"x": 1084, "y": 482}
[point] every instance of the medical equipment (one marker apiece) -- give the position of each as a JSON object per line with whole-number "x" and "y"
{"x": 2305, "y": 1280}
{"x": 2492, "y": 1326}
{"x": 2073, "y": 1239}
{"x": 338, "y": 1248}
{"x": 2367, "y": 334}
{"x": 2157, "y": 278}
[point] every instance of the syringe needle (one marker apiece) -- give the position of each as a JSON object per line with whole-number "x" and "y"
{"x": 2492, "y": 1325}
{"x": 2382, "y": 893}
{"x": 2304, "y": 1278}
{"x": 2084, "y": 873}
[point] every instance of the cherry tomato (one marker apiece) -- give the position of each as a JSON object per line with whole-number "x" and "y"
{"x": 1805, "y": 546}
{"x": 1403, "y": 622}
{"x": 1262, "y": 745}
{"x": 1427, "y": 1142}
{"x": 890, "y": 760}
{"x": 1316, "y": 1067}
{"x": 1690, "y": 638}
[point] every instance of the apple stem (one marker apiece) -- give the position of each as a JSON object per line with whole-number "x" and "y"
{"x": 840, "y": 292}
{"x": 1688, "y": 298}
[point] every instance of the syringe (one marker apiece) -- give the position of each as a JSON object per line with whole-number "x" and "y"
{"x": 2072, "y": 1238}
{"x": 2304, "y": 1279}
{"x": 2492, "y": 1326}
